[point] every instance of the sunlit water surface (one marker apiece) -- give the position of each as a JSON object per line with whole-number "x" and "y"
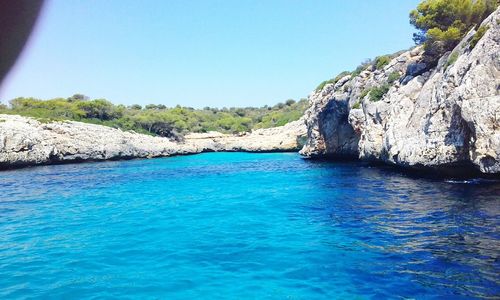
{"x": 240, "y": 226}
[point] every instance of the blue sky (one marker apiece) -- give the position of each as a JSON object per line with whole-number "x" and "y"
{"x": 202, "y": 52}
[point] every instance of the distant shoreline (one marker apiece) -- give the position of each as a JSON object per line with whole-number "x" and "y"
{"x": 26, "y": 142}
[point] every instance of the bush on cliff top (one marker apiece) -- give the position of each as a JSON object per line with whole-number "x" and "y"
{"x": 381, "y": 61}
{"x": 441, "y": 24}
{"x": 333, "y": 80}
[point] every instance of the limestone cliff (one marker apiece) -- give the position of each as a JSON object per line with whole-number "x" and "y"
{"x": 26, "y": 142}
{"x": 444, "y": 118}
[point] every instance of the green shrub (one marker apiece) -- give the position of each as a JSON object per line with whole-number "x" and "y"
{"x": 333, "y": 80}
{"x": 441, "y": 24}
{"x": 381, "y": 61}
{"x": 364, "y": 93}
{"x": 341, "y": 75}
{"x": 361, "y": 67}
{"x": 393, "y": 77}
{"x": 99, "y": 109}
{"x": 357, "y": 71}
{"x": 356, "y": 105}
{"x": 322, "y": 85}
{"x": 378, "y": 92}
{"x": 279, "y": 105}
{"x": 77, "y": 97}
{"x": 477, "y": 36}
{"x": 451, "y": 59}
{"x": 135, "y": 106}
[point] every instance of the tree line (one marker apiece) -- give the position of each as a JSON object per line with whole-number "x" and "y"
{"x": 157, "y": 119}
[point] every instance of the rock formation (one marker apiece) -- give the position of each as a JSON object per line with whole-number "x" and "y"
{"x": 26, "y": 141}
{"x": 445, "y": 118}
{"x": 290, "y": 137}
{"x": 403, "y": 113}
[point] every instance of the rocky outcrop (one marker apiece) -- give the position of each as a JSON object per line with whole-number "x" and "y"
{"x": 445, "y": 118}
{"x": 328, "y": 130}
{"x": 26, "y": 141}
{"x": 335, "y": 119}
{"x": 290, "y": 137}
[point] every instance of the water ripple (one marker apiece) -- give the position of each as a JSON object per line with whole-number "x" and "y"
{"x": 239, "y": 226}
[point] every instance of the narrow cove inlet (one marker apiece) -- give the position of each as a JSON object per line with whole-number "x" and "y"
{"x": 298, "y": 150}
{"x": 245, "y": 226}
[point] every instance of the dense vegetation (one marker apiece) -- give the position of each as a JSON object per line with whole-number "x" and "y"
{"x": 157, "y": 119}
{"x": 442, "y": 24}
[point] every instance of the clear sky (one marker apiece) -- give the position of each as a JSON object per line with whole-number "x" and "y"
{"x": 202, "y": 52}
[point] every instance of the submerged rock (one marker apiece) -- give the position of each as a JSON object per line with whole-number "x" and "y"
{"x": 446, "y": 118}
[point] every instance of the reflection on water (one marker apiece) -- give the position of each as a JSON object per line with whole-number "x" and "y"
{"x": 237, "y": 225}
{"x": 448, "y": 229}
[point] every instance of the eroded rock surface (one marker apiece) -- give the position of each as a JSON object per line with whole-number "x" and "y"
{"x": 290, "y": 137}
{"x": 445, "y": 118}
{"x": 26, "y": 141}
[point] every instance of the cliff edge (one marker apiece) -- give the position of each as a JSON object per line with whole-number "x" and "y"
{"x": 444, "y": 118}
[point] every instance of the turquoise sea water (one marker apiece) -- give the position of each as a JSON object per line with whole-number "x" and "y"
{"x": 245, "y": 226}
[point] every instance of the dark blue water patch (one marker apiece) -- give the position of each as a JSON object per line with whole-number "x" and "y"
{"x": 240, "y": 225}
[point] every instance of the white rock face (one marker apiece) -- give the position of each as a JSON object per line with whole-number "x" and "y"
{"x": 25, "y": 141}
{"x": 334, "y": 125}
{"x": 290, "y": 137}
{"x": 445, "y": 118}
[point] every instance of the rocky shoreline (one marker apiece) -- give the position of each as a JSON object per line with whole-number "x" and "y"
{"x": 441, "y": 119}
{"x": 27, "y": 142}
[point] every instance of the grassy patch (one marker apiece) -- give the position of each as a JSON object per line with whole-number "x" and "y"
{"x": 322, "y": 85}
{"x": 477, "y": 36}
{"x": 378, "y": 92}
{"x": 451, "y": 59}
{"x": 364, "y": 93}
{"x": 48, "y": 120}
{"x": 361, "y": 68}
{"x": 333, "y": 80}
{"x": 381, "y": 61}
{"x": 393, "y": 77}
{"x": 356, "y": 105}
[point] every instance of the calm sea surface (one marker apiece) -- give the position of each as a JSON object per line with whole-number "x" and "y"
{"x": 245, "y": 226}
